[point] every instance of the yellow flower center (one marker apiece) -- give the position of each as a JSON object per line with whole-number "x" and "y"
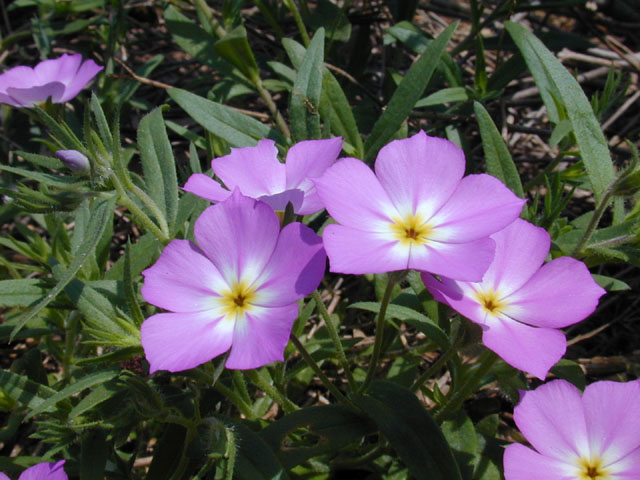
{"x": 411, "y": 230}
{"x": 592, "y": 469}
{"x": 237, "y": 301}
{"x": 490, "y": 302}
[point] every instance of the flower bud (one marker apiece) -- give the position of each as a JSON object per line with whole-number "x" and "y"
{"x": 75, "y": 161}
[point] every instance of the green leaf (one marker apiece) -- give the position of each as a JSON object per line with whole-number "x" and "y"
{"x": 89, "y": 381}
{"x": 101, "y": 121}
{"x": 236, "y": 128}
{"x": 305, "y": 96}
{"x": 159, "y": 165}
{"x": 94, "y": 451}
{"x": 610, "y": 284}
{"x": 23, "y": 390}
{"x": 101, "y": 211}
{"x": 407, "y": 94}
{"x": 412, "y": 432}
{"x": 21, "y": 292}
{"x": 42, "y": 160}
{"x": 235, "y": 48}
{"x": 57, "y": 181}
{"x": 99, "y": 394}
{"x": 313, "y": 431}
{"x": 409, "y": 315}
{"x": 463, "y": 441}
{"x": 255, "y": 460}
{"x": 499, "y": 161}
{"x": 554, "y": 80}
{"x": 130, "y": 290}
{"x": 446, "y": 95}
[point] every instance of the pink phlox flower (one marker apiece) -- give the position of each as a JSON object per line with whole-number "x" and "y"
{"x": 236, "y": 290}
{"x": 415, "y": 212}
{"x": 521, "y": 303}
{"x": 257, "y": 172}
{"x": 60, "y": 79}
{"x": 42, "y": 471}
{"x": 590, "y": 436}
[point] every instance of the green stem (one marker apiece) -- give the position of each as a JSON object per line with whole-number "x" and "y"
{"x": 437, "y": 365}
{"x": 595, "y": 219}
{"x": 69, "y": 343}
{"x": 316, "y": 368}
{"x": 538, "y": 178}
{"x": 333, "y": 333}
{"x": 287, "y": 405}
{"x": 464, "y": 391}
{"x": 293, "y": 8}
{"x": 204, "y": 8}
{"x": 377, "y": 346}
{"x": 241, "y": 385}
{"x": 139, "y": 216}
{"x": 236, "y": 399}
{"x": 273, "y": 109}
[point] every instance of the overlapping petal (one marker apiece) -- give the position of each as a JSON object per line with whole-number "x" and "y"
{"x": 261, "y": 337}
{"x": 481, "y": 205}
{"x": 44, "y": 471}
{"x": 238, "y": 236}
{"x": 420, "y": 173}
{"x": 530, "y": 349}
{"x": 206, "y": 187}
{"x": 182, "y": 279}
{"x": 184, "y": 340}
{"x": 256, "y": 171}
{"x": 295, "y": 268}
{"x": 561, "y": 293}
{"x": 552, "y": 418}
{"x": 309, "y": 159}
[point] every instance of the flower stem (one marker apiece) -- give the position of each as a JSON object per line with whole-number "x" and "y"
{"x": 273, "y": 109}
{"x": 333, "y": 332}
{"x": 437, "y": 365}
{"x": 377, "y": 346}
{"x": 287, "y": 405}
{"x": 316, "y": 368}
{"x": 236, "y": 399}
{"x": 293, "y": 8}
{"x": 595, "y": 219}
{"x": 473, "y": 378}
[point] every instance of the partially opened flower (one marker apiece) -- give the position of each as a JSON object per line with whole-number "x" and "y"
{"x": 257, "y": 172}
{"x": 42, "y": 471}
{"x": 521, "y": 303}
{"x": 415, "y": 212}
{"x": 590, "y": 436}
{"x": 60, "y": 79}
{"x": 237, "y": 290}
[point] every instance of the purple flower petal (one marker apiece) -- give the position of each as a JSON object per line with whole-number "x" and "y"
{"x": 420, "y": 173}
{"x": 80, "y": 79}
{"x": 62, "y": 69}
{"x": 45, "y": 471}
{"x": 3, "y": 476}
{"x": 458, "y": 295}
{"x": 295, "y": 268}
{"x": 552, "y": 419}
{"x": 480, "y": 206}
{"x": 28, "y": 97}
{"x": 309, "y": 159}
{"x": 522, "y": 463}
{"x": 354, "y": 251}
{"x": 261, "y": 337}
{"x": 238, "y": 235}
{"x": 520, "y": 251}
{"x": 20, "y": 76}
{"x": 180, "y": 341}
{"x": 561, "y": 293}
{"x": 461, "y": 261}
{"x": 256, "y": 171}
{"x": 279, "y": 201}
{"x": 628, "y": 467}
{"x": 182, "y": 279}
{"x": 612, "y": 411}
{"x": 530, "y": 349}
{"x": 353, "y": 196}
{"x": 206, "y": 187}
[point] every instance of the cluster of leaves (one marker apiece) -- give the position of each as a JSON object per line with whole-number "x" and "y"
{"x": 74, "y": 384}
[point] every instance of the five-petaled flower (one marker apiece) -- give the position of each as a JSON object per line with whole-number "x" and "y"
{"x": 415, "y": 212}
{"x": 42, "y": 471}
{"x": 60, "y": 79}
{"x": 257, "y": 172}
{"x": 521, "y": 303}
{"x": 237, "y": 290}
{"x": 590, "y": 436}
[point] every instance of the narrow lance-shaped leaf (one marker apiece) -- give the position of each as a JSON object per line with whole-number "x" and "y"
{"x": 305, "y": 96}
{"x": 235, "y": 48}
{"x": 159, "y": 165}
{"x": 551, "y": 77}
{"x": 97, "y": 223}
{"x": 499, "y": 161}
{"x": 407, "y": 94}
